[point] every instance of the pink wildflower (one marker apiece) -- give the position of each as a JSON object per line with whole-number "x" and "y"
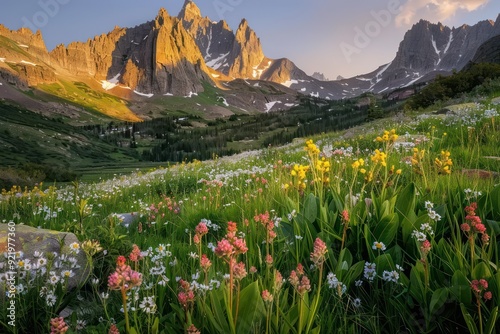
{"x": 240, "y": 246}
{"x": 487, "y": 295}
{"x": 58, "y": 326}
{"x": 224, "y": 248}
{"x": 201, "y": 229}
{"x": 480, "y": 228}
{"x": 135, "y": 255}
{"x": 305, "y": 285}
{"x": 113, "y": 330}
{"x": 267, "y": 296}
{"x": 465, "y": 227}
{"x": 193, "y": 330}
{"x": 120, "y": 261}
{"x": 205, "y": 263}
{"x": 278, "y": 280}
{"x": 319, "y": 252}
{"x": 426, "y": 247}
{"x": 294, "y": 279}
{"x": 239, "y": 271}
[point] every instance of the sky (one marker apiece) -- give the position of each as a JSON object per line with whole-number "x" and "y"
{"x": 334, "y": 37}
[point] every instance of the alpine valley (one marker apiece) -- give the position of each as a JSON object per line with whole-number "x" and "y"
{"x": 195, "y": 73}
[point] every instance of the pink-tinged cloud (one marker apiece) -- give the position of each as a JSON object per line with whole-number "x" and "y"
{"x": 434, "y": 10}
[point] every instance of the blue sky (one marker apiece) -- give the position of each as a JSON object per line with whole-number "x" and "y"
{"x": 318, "y": 35}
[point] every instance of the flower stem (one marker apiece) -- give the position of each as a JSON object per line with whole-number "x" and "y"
{"x": 124, "y": 301}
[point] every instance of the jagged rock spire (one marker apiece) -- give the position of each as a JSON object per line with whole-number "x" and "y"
{"x": 189, "y": 11}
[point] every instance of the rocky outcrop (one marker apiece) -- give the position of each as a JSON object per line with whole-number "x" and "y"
{"x": 246, "y": 54}
{"x": 488, "y": 52}
{"x": 319, "y": 76}
{"x": 35, "y": 247}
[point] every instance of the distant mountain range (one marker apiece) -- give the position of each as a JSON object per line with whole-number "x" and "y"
{"x": 180, "y": 55}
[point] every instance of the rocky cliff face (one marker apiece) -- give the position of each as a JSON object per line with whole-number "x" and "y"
{"x": 427, "y": 50}
{"x": 158, "y": 57}
{"x": 24, "y": 60}
{"x": 488, "y": 52}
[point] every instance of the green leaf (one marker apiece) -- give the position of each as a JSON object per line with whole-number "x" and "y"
{"x": 490, "y": 325}
{"x": 384, "y": 262}
{"x": 460, "y": 288}
{"x": 310, "y": 208}
{"x": 438, "y": 299}
{"x": 133, "y": 331}
{"x": 469, "y": 320}
{"x": 353, "y": 273}
{"x": 385, "y": 231}
{"x": 481, "y": 270}
{"x": 156, "y": 324}
{"x": 417, "y": 285}
{"x": 251, "y": 309}
{"x": 405, "y": 203}
{"x": 494, "y": 226}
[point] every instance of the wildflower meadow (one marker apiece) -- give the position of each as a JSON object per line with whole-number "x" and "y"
{"x": 392, "y": 227}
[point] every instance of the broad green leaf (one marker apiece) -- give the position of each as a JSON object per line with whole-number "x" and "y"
{"x": 417, "y": 283}
{"x": 353, "y": 273}
{"x": 251, "y": 309}
{"x": 385, "y": 231}
{"x": 405, "y": 203}
{"x": 460, "y": 288}
{"x": 481, "y": 270}
{"x": 310, "y": 208}
{"x": 494, "y": 225}
{"x": 438, "y": 299}
{"x": 384, "y": 262}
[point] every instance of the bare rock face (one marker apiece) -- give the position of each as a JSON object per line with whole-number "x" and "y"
{"x": 157, "y": 57}
{"x": 282, "y": 70}
{"x": 488, "y": 52}
{"x": 24, "y": 58}
{"x": 247, "y": 52}
{"x": 32, "y": 244}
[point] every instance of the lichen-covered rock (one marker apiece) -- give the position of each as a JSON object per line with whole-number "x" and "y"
{"x": 44, "y": 252}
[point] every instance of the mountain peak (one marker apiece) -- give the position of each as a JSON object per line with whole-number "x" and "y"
{"x": 162, "y": 16}
{"x": 243, "y": 24}
{"x": 189, "y": 11}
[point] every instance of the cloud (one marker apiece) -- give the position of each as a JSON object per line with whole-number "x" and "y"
{"x": 435, "y": 10}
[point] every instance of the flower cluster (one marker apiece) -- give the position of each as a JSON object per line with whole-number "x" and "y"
{"x": 58, "y": 326}
{"x": 334, "y": 283}
{"x": 186, "y": 296}
{"x": 311, "y": 148}
{"x": 200, "y": 230}
{"x": 388, "y": 137}
{"x": 379, "y": 157}
{"x": 231, "y": 246}
{"x": 417, "y": 160}
{"x": 479, "y": 288}
{"x": 474, "y": 225}
{"x": 268, "y": 223}
{"x": 370, "y": 271}
{"x": 320, "y": 250}
{"x": 124, "y": 278}
{"x": 299, "y": 280}
{"x": 299, "y": 173}
{"x": 444, "y": 163}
